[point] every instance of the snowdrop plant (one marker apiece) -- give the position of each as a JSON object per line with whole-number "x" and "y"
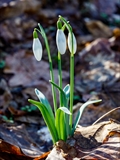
{"x": 60, "y": 122}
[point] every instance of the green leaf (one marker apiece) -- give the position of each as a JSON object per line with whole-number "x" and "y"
{"x": 60, "y": 124}
{"x": 50, "y": 122}
{"x": 65, "y": 110}
{"x": 44, "y": 101}
{"x": 81, "y": 111}
{"x": 66, "y": 90}
{"x": 41, "y": 97}
{"x": 64, "y": 98}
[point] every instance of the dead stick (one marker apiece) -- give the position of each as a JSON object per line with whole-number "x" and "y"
{"x": 105, "y": 115}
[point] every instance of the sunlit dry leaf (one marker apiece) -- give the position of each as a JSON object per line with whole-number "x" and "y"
{"x": 110, "y": 150}
{"x": 42, "y": 157}
{"x": 7, "y": 147}
{"x": 112, "y": 134}
{"x": 16, "y": 140}
{"x": 87, "y": 143}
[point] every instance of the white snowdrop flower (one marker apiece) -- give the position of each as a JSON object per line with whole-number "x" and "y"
{"x": 61, "y": 41}
{"x": 70, "y": 43}
{"x": 37, "y": 47}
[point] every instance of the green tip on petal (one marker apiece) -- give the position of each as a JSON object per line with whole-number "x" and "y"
{"x": 59, "y": 24}
{"x": 35, "y": 35}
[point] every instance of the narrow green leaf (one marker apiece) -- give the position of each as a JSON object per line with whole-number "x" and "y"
{"x": 67, "y": 113}
{"x": 66, "y": 90}
{"x": 44, "y": 101}
{"x": 81, "y": 111}
{"x": 65, "y": 110}
{"x": 60, "y": 89}
{"x": 60, "y": 124}
{"x": 50, "y": 122}
{"x": 57, "y": 123}
{"x": 63, "y": 96}
{"x": 41, "y": 97}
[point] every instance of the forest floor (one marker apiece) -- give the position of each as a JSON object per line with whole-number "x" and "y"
{"x": 96, "y": 25}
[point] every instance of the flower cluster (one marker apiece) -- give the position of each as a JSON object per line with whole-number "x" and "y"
{"x": 60, "y": 41}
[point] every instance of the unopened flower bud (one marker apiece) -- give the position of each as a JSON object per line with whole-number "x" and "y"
{"x": 37, "y": 47}
{"x": 70, "y": 43}
{"x": 61, "y": 41}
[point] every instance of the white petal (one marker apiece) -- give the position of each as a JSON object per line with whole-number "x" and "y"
{"x": 37, "y": 49}
{"x": 70, "y": 43}
{"x": 61, "y": 41}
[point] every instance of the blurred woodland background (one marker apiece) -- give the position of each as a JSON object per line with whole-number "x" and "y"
{"x": 96, "y": 25}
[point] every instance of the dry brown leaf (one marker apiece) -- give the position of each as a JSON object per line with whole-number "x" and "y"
{"x": 16, "y": 8}
{"x": 42, "y": 157}
{"x": 110, "y": 150}
{"x": 25, "y": 68}
{"x": 98, "y": 29}
{"x": 98, "y": 142}
{"x": 16, "y": 140}
{"x": 7, "y": 147}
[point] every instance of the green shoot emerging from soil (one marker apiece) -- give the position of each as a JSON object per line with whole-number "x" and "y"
{"x": 60, "y": 122}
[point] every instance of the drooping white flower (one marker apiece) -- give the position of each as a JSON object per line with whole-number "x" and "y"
{"x": 61, "y": 41}
{"x": 37, "y": 49}
{"x": 70, "y": 43}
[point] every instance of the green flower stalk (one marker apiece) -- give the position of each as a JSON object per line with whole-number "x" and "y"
{"x": 72, "y": 45}
{"x": 42, "y": 32}
{"x": 61, "y": 45}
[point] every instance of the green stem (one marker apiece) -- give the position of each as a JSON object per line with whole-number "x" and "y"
{"x": 71, "y": 88}
{"x": 60, "y": 76}
{"x": 52, "y": 78}
{"x": 71, "y": 73}
{"x": 53, "y": 89}
{"x": 50, "y": 64}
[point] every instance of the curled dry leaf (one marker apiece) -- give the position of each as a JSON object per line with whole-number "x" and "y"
{"x": 97, "y": 142}
{"x": 8, "y": 151}
{"x": 15, "y": 140}
{"x": 110, "y": 150}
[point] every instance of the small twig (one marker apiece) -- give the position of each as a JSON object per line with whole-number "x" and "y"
{"x": 105, "y": 115}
